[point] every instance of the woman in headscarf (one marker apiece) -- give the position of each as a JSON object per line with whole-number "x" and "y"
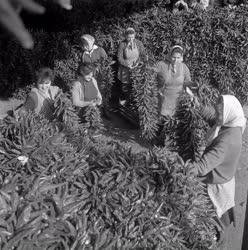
{"x": 130, "y": 52}
{"x": 218, "y": 164}
{"x": 173, "y": 76}
{"x": 41, "y": 98}
{"x": 92, "y": 54}
{"x": 85, "y": 90}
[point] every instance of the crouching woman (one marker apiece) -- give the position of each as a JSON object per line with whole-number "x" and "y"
{"x": 85, "y": 91}
{"x": 219, "y": 161}
{"x": 41, "y": 98}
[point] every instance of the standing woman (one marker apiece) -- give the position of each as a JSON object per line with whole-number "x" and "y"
{"x": 41, "y": 98}
{"x": 92, "y": 54}
{"x": 219, "y": 162}
{"x": 129, "y": 53}
{"x": 173, "y": 75}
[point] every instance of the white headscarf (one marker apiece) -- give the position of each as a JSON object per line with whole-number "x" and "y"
{"x": 233, "y": 116}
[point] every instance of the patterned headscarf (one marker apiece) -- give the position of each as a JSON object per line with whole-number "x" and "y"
{"x": 89, "y": 39}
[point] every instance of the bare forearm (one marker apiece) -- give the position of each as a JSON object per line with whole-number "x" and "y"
{"x": 81, "y": 104}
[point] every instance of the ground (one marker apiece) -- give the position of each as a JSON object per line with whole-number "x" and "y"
{"x": 120, "y": 130}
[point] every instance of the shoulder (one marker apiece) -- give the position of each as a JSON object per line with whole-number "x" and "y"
{"x": 33, "y": 94}
{"x": 122, "y": 44}
{"x": 33, "y": 91}
{"x": 162, "y": 65}
{"x": 102, "y": 52}
{"x": 32, "y": 100}
{"x": 230, "y": 139}
{"x": 94, "y": 80}
{"x": 185, "y": 67}
{"x": 138, "y": 42}
{"x": 76, "y": 84}
{"x": 100, "y": 49}
{"x": 234, "y": 134}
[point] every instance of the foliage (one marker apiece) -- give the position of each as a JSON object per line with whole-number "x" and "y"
{"x": 74, "y": 121}
{"x": 184, "y": 132}
{"x": 144, "y": 98}
{"x": 105, "y": 80}
{"x": 189, "y": 131}
{"x": 65, "y": 112}
{"x": 102, "y": 196}
{"x": 65, "y": 69}
{"x": 39, "y": 196}
{"x": 92, "y": 117}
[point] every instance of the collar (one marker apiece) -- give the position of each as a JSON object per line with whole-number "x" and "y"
{"x": 90, "y": 52}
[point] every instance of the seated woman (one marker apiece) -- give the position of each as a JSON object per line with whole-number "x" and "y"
{"x": 173, "y": 75}
{"x": 41, "y": 98}
{"x": 129, "y": 53}
{"x": 92, "y": 54}
{"x": 218, "y": 164}
{"x": 85, "y": 91}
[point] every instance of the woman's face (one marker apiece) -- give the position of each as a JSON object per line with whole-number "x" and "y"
{"x": 176, "y": 58}
{"x": 88, "y": 77}
{"x": 87, "y": 46}
{"x": 130, "y": 37}
{"x": 219, "y": 108}
{"x": 44, "y": 84}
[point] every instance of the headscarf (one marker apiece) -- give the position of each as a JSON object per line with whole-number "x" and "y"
{"x": 90, "y": 40}
{"x": 171, "y": 53}
{"x": 176, "y": 47}
{"x": 130, "y": 30}
{"x": 233, "y": 116}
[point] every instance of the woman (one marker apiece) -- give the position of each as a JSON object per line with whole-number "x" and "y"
{"x": 219, "y": 162}
{"x": 173, "y": 75}
{"x": 85, "y": 91}
{"x": 41, "y": 98}
{"x": 92, "y": 54}
{"x": 129, "y": 53}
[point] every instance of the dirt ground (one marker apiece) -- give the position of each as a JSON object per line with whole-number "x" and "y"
{"x": 238, "y": 235}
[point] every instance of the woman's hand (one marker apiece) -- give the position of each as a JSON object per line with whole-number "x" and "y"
{"x": 11, "y": 20}
{"x": 92, "y": 103}
{"x": 98, "y": 101}
{"x": 161, "y": 92}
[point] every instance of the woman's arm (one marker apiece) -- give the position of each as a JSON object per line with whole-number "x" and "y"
{"x": 212, "y": 158}
{"x": 76, "y": 91}
{"x": 187, "y": 81}
{"x": 31, "y": 102}
{"x": 99, "y": 96}
{"x": 120, "y": 57}
{"x": 142, "y": 50}
{"x": 157, "y": 67}
{"x": 103, "y": 54}
{"x": 187, "y": 77}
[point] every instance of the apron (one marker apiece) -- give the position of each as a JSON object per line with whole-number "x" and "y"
{"x": 131, "y": 55}
{"x": 173, "y": 85}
